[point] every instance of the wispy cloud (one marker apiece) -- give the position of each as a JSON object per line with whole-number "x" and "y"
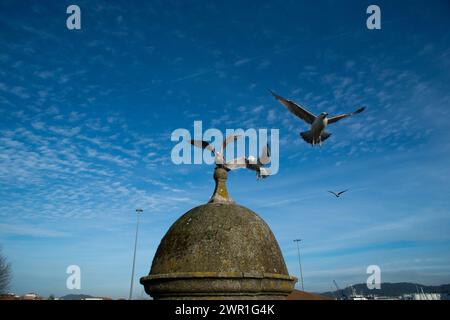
{"x": 30, "y": 231}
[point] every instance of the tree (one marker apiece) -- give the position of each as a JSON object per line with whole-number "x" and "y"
{"x": 51, "y": 297}
{"x": 5, "y": 274}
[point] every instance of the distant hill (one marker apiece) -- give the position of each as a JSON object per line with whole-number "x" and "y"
{"x": 75, "y": 297}
{"x": 390, "y": 289}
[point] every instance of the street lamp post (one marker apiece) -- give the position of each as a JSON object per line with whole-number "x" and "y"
{"x": 299, "y": 262}
{"x": 138, "y": 212}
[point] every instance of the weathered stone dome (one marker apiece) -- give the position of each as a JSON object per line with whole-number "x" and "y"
{"x": 220, "y": 238}
{"x": 219, "y": 250}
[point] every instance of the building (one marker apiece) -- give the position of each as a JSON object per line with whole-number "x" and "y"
{"x": 31, "y": 296}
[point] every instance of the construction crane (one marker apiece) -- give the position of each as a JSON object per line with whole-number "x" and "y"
{"x": 339, "y": 290}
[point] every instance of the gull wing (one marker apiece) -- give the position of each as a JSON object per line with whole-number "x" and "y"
{"x": 299, "y": 111}
{"x": 333, "y": 193}
{"x": 203, "y": 144}
{"x": 229, "y": 139}
{"x": 345, "y": 115}
{"x": 339, "y": 193}
{"x": 265, "y": 155}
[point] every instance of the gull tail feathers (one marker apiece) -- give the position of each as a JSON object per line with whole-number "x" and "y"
{"x": 308, "y": 137}
{"x": 263, "y": 173}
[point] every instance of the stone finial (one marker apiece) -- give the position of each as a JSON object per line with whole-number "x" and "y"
{"x": 220, "y": 194}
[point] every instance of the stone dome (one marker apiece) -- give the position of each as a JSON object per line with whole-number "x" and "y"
{"x": 219, "y": 250}
{"x": 219, "y": 238}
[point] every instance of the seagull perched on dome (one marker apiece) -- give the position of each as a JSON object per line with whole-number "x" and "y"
{"x": 219, "y": 155}
{"x": 253, "y": 163}
{"x": 316, "y": 134}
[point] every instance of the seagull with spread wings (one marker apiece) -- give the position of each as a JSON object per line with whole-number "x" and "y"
{"x": 253, "y": 163}
{"x": 219, "y": 155}
{"x": 338, "y": 194}
{"x": 316, "y": 134}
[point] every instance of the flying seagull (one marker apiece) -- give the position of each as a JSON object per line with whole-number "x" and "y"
{"x": 316, "y": 134}
{"x": 338, "y": 194}
{"x": 253, "y": 163}
{"x": 219, "y": 155}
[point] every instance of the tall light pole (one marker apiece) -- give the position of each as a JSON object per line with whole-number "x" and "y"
{"x": 138, "y": 213}
{"x": 299, "y": 262}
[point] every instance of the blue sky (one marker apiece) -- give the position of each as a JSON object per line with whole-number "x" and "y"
{"x": 86, "y": 118}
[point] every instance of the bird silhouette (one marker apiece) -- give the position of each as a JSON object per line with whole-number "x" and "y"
{"x": 316, "y": 134}
{"x": 338, "y": 194}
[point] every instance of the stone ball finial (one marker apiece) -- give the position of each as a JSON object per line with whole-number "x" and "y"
{"x": 220, "y": 194}
{"x": 220, "y": 174}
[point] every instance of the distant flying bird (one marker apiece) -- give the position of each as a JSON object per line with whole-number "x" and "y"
{"x": 338, "y": 194}
{"x": 219, "y": 155}
{"x": 253, "y": 163}
{"x": 317, "y": 133}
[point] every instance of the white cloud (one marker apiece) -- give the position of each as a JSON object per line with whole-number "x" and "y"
{"x": 31, "y": 231}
